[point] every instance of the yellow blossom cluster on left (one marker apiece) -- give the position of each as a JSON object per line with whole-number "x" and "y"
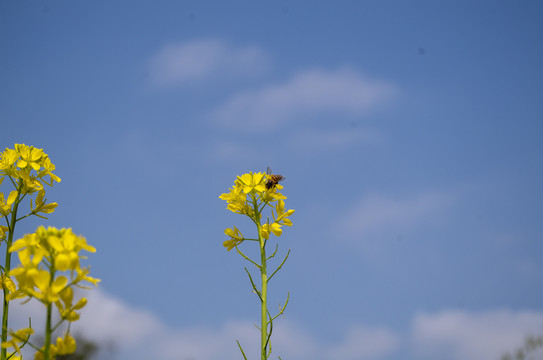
{"x": 29, "y": 169}
{"x": 49, "y": 269}
{"x": 29, "y": 166}
{"x": 44, "y": 253}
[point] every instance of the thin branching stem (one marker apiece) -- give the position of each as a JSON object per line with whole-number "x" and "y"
{"x": 280, "y": 266}
{"x": 253, "y": 284}
{"x": 241, "y": 349}
{"x": 247, "y": 258}
{"x": 275, "y": 252}
{"x": 282, "y": 309}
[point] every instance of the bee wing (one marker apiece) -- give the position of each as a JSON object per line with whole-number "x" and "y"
{"x": 269, "y": 171}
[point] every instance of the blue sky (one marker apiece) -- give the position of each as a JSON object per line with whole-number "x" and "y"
{"x": 409, "y": 133}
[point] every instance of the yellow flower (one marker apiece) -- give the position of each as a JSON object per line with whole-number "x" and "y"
{"x": 48, "y": 167}
{"x": 253, "y": 182}
{"x": 5, "y": 206}
{"x": 7, "y": 283}
{"x": 274, "y": 228}
{"x": 20, "y": 163}
{"x": 7, "y": 161}
{"x": 48, "y": 292}
{"x": 65, "y": 307}
{"x": 66, "y": 246}
{"x": 30, "y": 182}
{"x": 39, "y": 355}
{"x": 18, "y": 337}
{"x": 29, "y": 156}
{"x": 270, "y": 196}
{"x": 82, "y": 275}
{"x": 3, "y": 232}
{"x": 31, "y": 241}
{"x": 41, "y": 206}
{"x": 236, "y": 238}
{"x": 56, "y": 249}
{"x": 66, "y": 345}
{"x": 282, "y": 216}
{"x": 27, "y": 271}
{"x": 236, "y": 200}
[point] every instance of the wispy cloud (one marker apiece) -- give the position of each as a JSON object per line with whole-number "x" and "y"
{"x": 460, "y": 335}
{"x": 364, "y": 343}
{"x": 310, "y": 93}
{"x": 375, "y": 213}
{"x": 181, "y": 63}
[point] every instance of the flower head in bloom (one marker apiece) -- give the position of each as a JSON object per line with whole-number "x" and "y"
{"x": 7, "y": 161}
{"x": 66, "y": 345}
{"x": 5, "y": 205}
{"x": 83, "y": 275}
{"x": 253, "y": 182}
{"x": 41, "y": 205}
{"x": 47, "y": 291}
{"x": 43, "y": 253}
{"x": 282, "y": 215}
{"x": 274, "y": 228}
{"x": 249, "y": 196}
{"x": 17, "y": 339}
{"x": 236, "y": 199}
{"x": 29, "y": 156}
{"x": 236, "y": 238}
{"x": 65, "y": 305}
{"x": 7, "y": 283}
{"x": 28, "y": 165}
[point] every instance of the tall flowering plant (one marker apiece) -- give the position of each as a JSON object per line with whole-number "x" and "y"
{"x": 251, "y": 195}
{"x": 49, "y": 259}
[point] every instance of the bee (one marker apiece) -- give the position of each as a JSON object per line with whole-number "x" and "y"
{"x": 273, "y": 179}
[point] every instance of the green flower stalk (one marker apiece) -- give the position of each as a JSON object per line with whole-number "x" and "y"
{"x": 251, "y": 195}
{"x": 28, "y": 169}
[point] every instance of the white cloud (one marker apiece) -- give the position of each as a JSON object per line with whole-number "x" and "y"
{"x": 311, "y": 93}
{"x": 363, "y": 343}
{"x": 459, "y": 335}
{"x": 198, "y": 60}
{"x": 376, "y": 213}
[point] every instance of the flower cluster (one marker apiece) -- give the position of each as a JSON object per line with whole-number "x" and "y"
{"x": 19, "y": 338}
{"x": 64, "y": 346}
{"x": 249, "y": 196}
{"x": 28, "y": 168}
{"x": 43, "y": 255}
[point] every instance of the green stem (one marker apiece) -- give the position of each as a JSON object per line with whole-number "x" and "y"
{"x": 48, "y": 321}
{"x": 47, "y": 346}
{"x": 264, "y": 277}
{"x": 264, "y": 310}
{"x": 7, "y": 268}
